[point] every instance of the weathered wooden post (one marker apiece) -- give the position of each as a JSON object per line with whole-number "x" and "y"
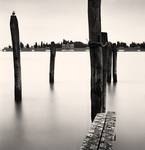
{"x": 16, "y": 56}
{"x": 105, "y": 62}
{"x": 52, "y": 62}
{"x": 109, "y": 66}
{"x": 94, "y": 17}
{"x": 114, "y": 49}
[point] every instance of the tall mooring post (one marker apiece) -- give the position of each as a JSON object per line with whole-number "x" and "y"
{"x": 16, "y": 56}
{"x": 112, "y": 63}
{"x": 109, "y": 65}
{"x": 94, "y": 18}
{"x": 105, "y": 62}
{"x": 114, "y": 49}
{"x": 52, "y": 62}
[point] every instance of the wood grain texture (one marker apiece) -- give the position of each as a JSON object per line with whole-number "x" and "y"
{"x": 102, "y": 133}
{"x": 52, "y": 62}
{"x": 94, "y": 17}
{"x": 16, "y": 57}
{"x": 105, "y": 61}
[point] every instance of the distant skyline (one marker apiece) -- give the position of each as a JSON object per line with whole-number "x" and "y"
{"x": 48, "y": 20}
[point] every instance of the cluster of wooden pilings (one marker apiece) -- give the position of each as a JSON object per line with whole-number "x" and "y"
{"x": 101, "y": 52}
{"x": 102, "y": 55}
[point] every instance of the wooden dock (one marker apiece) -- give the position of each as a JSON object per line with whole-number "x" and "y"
{"x": 102, "y": 133}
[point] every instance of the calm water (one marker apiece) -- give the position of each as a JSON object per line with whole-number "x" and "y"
{"x": 57, "y": 118}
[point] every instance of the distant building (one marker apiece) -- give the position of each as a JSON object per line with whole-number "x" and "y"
{"x": 7, "y": 49}
{"x": 68, "y": 45}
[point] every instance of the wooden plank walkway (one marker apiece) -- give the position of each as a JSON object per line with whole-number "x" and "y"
{"x": 102, "y": 133}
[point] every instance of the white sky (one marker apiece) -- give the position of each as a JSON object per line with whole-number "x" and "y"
{"x": 47, "y": 20}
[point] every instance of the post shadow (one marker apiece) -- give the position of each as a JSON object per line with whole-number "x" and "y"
{"x": 16, "y": 56}
{"x": 18, "y": 110}
{"x": 112, "y": 88}
{"x": 52, "y": 87}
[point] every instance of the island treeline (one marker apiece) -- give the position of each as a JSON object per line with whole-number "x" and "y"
{"x": 68, "y": 45}
{"x": 44, "y": 46}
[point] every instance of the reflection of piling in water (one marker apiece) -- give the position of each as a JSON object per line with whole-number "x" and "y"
{"x": 52, "y": 62}
{"x": 112, "y": 89}
{"x": 16, "y": 56}
{"x": 105, "y": 62}
{"x": 94, "y": 16}
{"x": 18, "y": 110}
{"x": 52, "y": 87}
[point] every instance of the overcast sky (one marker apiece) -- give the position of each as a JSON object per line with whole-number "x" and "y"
{"x": 47, "y": 20}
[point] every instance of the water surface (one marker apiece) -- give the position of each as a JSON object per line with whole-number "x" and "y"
{"x": 57, "y": 118}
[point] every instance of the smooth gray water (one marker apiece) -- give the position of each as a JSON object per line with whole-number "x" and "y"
{"x": 128, "y": 100}
{"x": 57, "y": 118}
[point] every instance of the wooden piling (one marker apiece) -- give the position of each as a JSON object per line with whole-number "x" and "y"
{"x": 94, "y": 18}
{"x": 105, "y": 61}
{"x": 16, "y": 56}
{"x": 114, "y": 49}
{"x": 109, "y": 66}
{"x": 52, "y": 62}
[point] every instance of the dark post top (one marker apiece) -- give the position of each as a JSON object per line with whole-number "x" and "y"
{"x": 114, "y": 47}
{"x": 53, "y": 48}
{"x": 104, "y": 38}
{"x": 13, "y": 13}
{"x": 52, "y": 44}
{"x": 94, "y": 18}
{"x": 14, "y": 31}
